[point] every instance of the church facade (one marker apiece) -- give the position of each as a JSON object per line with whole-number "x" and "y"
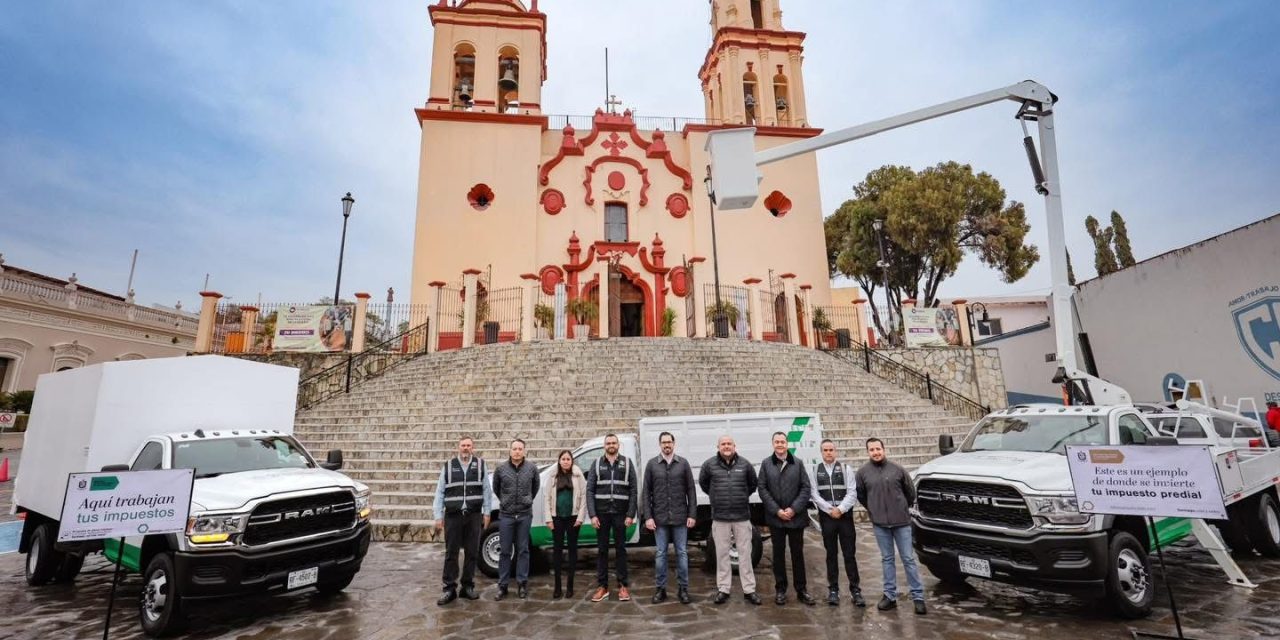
{"x": 614, "y": 206}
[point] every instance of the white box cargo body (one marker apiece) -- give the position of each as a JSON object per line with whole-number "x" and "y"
{"x": 102, "y": 413}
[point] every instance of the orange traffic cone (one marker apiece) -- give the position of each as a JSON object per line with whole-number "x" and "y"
{"x": 4, "y": 470}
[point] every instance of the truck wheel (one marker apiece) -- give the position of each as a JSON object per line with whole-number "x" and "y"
{"x": 69, "y": 568}
{"x": 1233, "y": 533}
{"x": 335, "y": 585}
{"x": 1264, "y": 526}
{"x": 490, "y": 551}
{"x": 1130, "y": 589}
{"x": 42, "y": 559}
{"x": 159, "y": 606}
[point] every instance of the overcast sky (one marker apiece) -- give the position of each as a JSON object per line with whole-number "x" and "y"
{"x": 218, "y": 137}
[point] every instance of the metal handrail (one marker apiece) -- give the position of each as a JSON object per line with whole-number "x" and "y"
{"x": 364, "y": 366}
{"x": 909, "y": 379}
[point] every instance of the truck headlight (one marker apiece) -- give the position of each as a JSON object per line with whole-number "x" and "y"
{"x": 214, "y": 528}
{"x": 362, "y": 504}
{"x": 1059, "y": 510}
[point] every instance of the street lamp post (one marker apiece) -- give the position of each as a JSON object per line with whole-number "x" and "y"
{"x": 721, "y": 323}
{"x": 347, "y": 201}
{"x": 973, "y": 326}
{"x": 883, "y": 264}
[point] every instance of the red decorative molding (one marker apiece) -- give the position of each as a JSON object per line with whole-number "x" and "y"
{"x": 550, "y": 276}
{"x": 438, "y": 101}
{"x": 615, "y": 124}
{"x": 679, "y": 277}
{"x": 617, "y": 181}
{"x": 436, "y": 283}
{"x": 615, "y": 145}
{"x": 605, "y": 249}
{"x": 778, "y": 204}
{"x": 910, "y": 301}
{"x": 677, "y": 205}
{"x": 806, "y": 287}
{"x": 363, "y": 296}
{"x": 479, "y": 116}
{"x": 552, "y": 201}
{"x": 484, "y": 103}
{"x": 644, "y": 176}
{"x": 697, "y": 259}
{"x": 787, "y": 276}
{"x": 751, "y": 281}
{"x": 568, "y": 147}
{"x": 960, "y": 301}
{"x": 248, "y": 308}
{"x": 528, "y": 276}
{"x": 210, "y": 294}
{"x": 480, "y": 197}
{"x": 471, "y": 272}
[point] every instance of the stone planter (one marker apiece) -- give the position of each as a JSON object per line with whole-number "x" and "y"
{"x": 581, "y": 331}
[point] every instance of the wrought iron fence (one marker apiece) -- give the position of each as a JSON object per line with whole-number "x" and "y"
{"x": 837, "y": 327}
{"x": 448, "y": 318}
{"x": 690, "y": 303}
{"x": 644, "y": 123}
{"x": 498, "y": 314}
{"x": 361, "y": 367}
{"x": 735, "y": 305}
{"x": 920, "y": 383}
{"x": 769, "y": 319}
{"x": 384, "y": 321}
{"x": 544, "y": 315}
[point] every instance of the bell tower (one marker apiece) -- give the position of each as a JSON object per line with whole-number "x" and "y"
{"x": 753, "y": 73}
{"x": 488, "y": 56}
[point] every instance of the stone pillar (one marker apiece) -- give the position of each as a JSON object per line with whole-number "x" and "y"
{"x": 433, "y": 333}
{"x": 753, "y": 308}
{"x": 602, "y": 297}
{"x": 208, "y": 318}
{"x": 72, "y": 294}
{"x": 362, "y": 315}
{"x": 962, "y": 317}
{"x": 860, "y": 323}
{"x": 697, "y": 297}
{"x": 248, "y": 326}
{"x": 799, "y": 108}
{"x": 736, "y": 110}
{"x": 789, "y": 296}
{"x": 527, "y": 320}
{"x": 470, "y": 284}
{"x": 808, "y": 316}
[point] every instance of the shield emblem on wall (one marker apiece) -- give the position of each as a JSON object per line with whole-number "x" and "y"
{"x": 1258, "y": 326}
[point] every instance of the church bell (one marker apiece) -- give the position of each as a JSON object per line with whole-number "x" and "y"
{"x": 508, "y": 81}
{"x": 464, "y": 91}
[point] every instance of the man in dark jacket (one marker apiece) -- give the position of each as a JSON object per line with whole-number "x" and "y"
{"x": 729, "y": 482}
{"x": 515, "y": 483}
{"x": 885, "y": 490}
{"x": 670, "y": 503}
{"x": 612, "y": 504}
{"x": 784, "y": 492}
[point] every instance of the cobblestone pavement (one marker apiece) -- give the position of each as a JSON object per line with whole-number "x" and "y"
{"x": 393, "y": 598}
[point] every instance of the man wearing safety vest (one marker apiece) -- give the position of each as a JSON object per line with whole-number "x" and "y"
{"x": 612, "y": 502}
{"x": 463, "y": 500}
{"x": 834, "y": 496}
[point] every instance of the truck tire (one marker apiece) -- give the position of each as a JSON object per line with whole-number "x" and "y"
{"x": 757, "y": 552}
{"x": 160, "y": 605}
{"x": 490, "y": 550}
{"x": 1234, "y": 532}
{"x": 334, "y": 585}
{"x": 1264, "y": 526}
{"x": 42, "y": 559}
{"x": 1130, "y": 589}
{"x": 69, "y": 568}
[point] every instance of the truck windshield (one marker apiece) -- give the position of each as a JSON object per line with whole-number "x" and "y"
{"x": 1043, "y": 434}
{"x": 232, "y": 455}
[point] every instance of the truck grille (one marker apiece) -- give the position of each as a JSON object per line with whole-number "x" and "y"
{"x": 978, "y": 549}
{"x": 980, "y": 503}
{"x": 298, "y": 517}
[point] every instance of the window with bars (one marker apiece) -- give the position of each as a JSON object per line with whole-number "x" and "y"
{"x": 615, "y": 222}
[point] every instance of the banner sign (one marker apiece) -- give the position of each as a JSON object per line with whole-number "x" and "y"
{"x": 930, "y": 327}
{"x": 314, "y": 328}
{"x": 1173, "y": 481}
{"x": 119, "y": 504}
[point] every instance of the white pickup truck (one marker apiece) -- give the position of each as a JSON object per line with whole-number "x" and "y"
{"x": 265, "y": 515}
{"x": 1001, "y": 507}
{"x": 696, "y": 438}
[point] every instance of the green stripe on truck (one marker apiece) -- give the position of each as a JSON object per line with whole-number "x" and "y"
{"x": 132, "y": 554}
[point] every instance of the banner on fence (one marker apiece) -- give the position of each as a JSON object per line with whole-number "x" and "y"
{"x": 315, "y": 328}
{"x": 931, "y": 327}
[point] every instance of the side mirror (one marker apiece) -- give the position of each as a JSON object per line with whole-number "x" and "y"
{"x": 333, "y": 461}
{"x": 111, "y": 468}
{"x": 946, "y": 444}
{"x": 1160, "y": 441}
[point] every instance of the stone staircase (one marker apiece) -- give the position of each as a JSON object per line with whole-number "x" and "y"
{"x": 396, "y": 431}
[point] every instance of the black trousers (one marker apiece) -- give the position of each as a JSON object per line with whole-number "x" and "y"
{"x": 564, "y": 533}
{"x": 783, "y": 538}
{"x": 837, "y": 537}
{"x": 615, "y": 524}
{"x": 461, "y": 532}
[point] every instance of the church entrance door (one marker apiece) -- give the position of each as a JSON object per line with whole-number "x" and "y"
{"x": 626, "y": 313}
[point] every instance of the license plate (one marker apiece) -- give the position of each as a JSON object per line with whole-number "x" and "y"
{"x": 975, "y": 566}
{"x": 303, "y": 577}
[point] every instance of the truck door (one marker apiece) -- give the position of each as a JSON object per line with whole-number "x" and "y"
{"x": 152, "y": 457}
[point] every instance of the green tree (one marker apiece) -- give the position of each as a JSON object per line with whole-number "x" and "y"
{"x": 1071, "y": 271}
{"x": 931, "y": 218}
{"x": 1124, "y": 252}
{"x": 1104, "y": 259}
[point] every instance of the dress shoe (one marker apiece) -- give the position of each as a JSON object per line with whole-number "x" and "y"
{"x": 920, "y": 608}
{"x": 659, "y": 596}
{"x": 502, "y": 594}
{"x": 624, "y": 594}
{"x": 752, "y": 598}
{"x": 557, "y": 594}
{"x": 803, "y": 596}
{"x": 469, "y": 593}
{"x": 721, "y": 598}
{"x": 886, "y": 603}
{"x": 601, "y": 593}
{"x": 683, "y": 596}
{"x": 858, "y": 600}
{"x": 568, "y": 593}
{"x": 833, "y": 597}
{"x": 780, "y": 598}
{"x": 447, "y": 597}
{"x": 524, "y": 591}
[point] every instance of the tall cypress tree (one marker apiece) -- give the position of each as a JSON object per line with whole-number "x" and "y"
{"x": 1124, "y": 252}
{"x": 1071, "y": 271}
{"x": 1104, "y": 259}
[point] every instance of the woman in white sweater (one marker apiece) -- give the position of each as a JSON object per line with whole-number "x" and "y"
{"x": 566, "y": 497}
